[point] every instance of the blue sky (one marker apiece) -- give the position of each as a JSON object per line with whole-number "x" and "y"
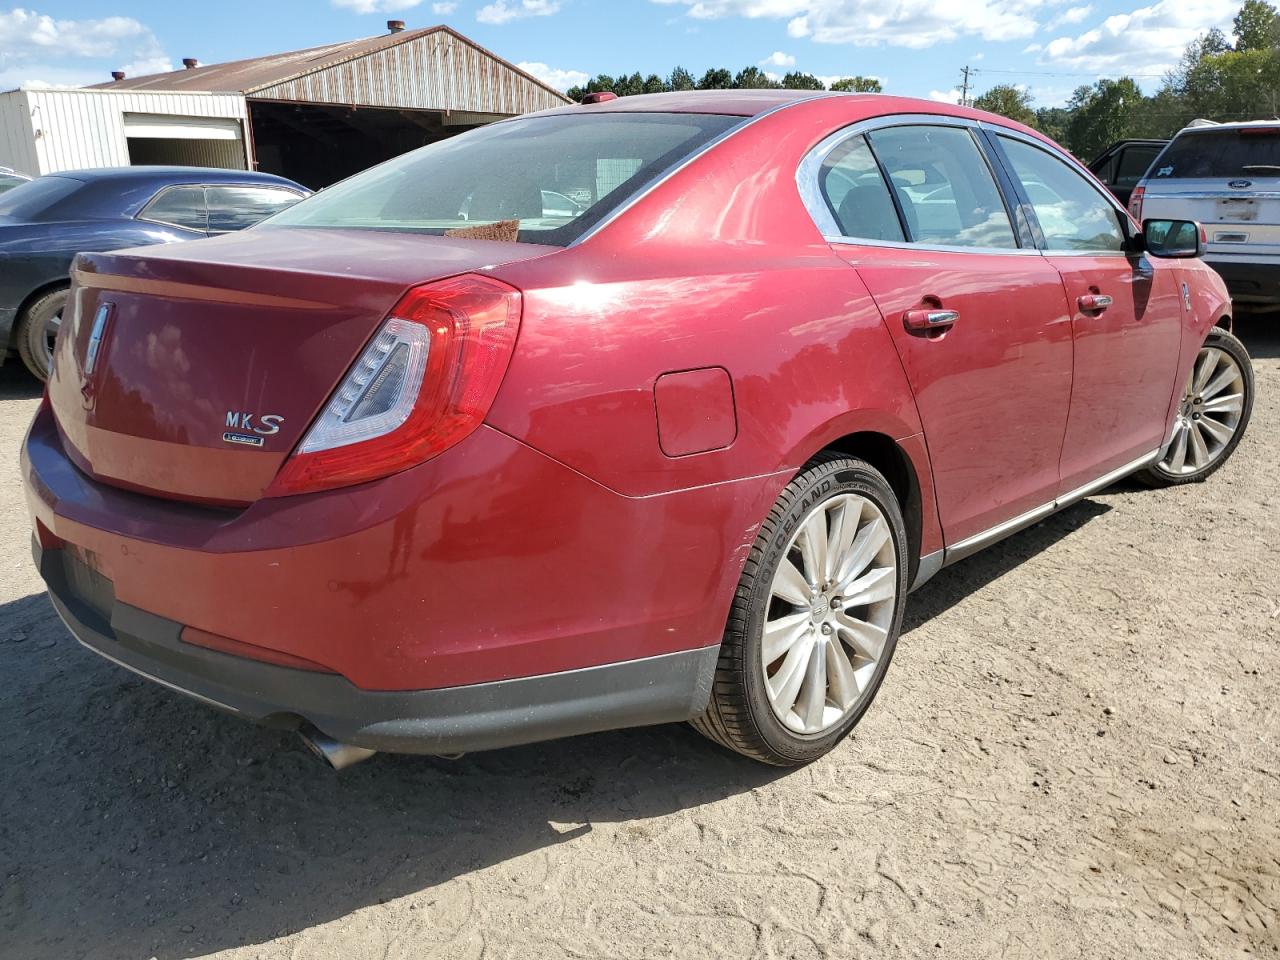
{"x": 917, "y": 47}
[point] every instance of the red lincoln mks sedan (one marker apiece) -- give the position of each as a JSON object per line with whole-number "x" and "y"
{"x": 638, "y": 411}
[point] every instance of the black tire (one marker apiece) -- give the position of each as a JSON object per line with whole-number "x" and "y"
{"x": 1158, "y": 475}
{"x": 31, "y": 335}
{"x": 739, "y": 715}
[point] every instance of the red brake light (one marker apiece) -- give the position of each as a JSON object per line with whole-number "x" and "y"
{"x": 1135, "y": 202}
{"x": 600, "y": 96}
{"x": 424, "y": 382}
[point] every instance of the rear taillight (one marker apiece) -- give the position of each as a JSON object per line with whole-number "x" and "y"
{"x": 1135, "y": 203}
{"x": 425, "y": 381}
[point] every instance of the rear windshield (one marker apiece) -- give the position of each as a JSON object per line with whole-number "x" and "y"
{"x": 1226, "y": 153}
{"x": 549, "y": 178}
{"x": 30, "y": 200}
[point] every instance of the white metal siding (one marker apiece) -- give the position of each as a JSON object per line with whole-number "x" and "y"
{"x": 74, "y": 129}
{"x": 17, "y": 142}
{"x": 435, "y": 72}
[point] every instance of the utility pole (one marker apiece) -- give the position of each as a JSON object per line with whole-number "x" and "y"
{"x": 964, "y": 88}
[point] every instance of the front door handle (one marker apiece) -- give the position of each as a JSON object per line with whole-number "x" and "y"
{"x": 929, "y": 319}
{"x": 1094, "y": 302}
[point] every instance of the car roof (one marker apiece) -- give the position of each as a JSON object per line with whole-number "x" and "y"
{"x": 1198, "y": 128}
{"x": 161, "y": 175}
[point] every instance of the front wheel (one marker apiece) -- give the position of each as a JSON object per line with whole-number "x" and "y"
{"x": 1212, "y": 414}
{"x": 38, "y": 330}
{"x": 815, "y": 619}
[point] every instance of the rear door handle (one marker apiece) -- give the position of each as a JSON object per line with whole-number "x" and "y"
{"x": 1094, "y": 302}
{"x": 929, "y": 319}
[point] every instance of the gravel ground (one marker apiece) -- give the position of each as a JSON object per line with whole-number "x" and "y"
{"x": 1075, "y": 754}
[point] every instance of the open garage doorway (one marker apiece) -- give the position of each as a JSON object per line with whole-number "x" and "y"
{"x": 184, "y": 141}
{"x": 317, "y": 145}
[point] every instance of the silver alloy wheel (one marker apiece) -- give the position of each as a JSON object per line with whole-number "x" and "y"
{"x": 831, "y": 608}
{"x": 1208, "y": 415}
{"x": 51, "y": 328}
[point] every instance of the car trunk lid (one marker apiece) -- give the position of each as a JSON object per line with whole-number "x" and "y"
{"x": 191, "y": 371}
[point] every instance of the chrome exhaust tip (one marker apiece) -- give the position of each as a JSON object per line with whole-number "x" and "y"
{"x": 333, "y": 752}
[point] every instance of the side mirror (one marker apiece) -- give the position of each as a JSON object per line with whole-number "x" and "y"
{"x": 1172, "y": 238}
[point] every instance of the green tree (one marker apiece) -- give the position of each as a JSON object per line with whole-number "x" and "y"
{"x": 858, "y": 85}
{"x": 1256, "y": 26}
{"x": 680, "y": 79}
{"x": 1052, "y": 122}
{"x": 717, "y": 78}
{"x": 753, "y": 78}
{"x": 1008, "y": 101}
{"x": 1108, "y": 111}
{"x": 655, "y": 84}
{"x": 802, "y": 81}
{"x": 629, "y": 85}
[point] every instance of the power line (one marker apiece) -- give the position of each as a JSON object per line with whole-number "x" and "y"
{"x": 1044, "y": 73}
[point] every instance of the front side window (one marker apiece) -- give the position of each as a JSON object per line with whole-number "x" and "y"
{"x": 944, "y": 187}
{"x": 1073, "y": 215}
{"x": 234, "y": 208}
{"x": 556, "y": 176}
{"x": 179, "y": 207}
{"x": 856, "y": 193}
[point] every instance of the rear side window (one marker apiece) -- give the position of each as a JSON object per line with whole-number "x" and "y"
{"x": 234, "y": 208}
{"x": 944, "y": 187}
{"x": 1221, "y": 154}
{"x": 178, "y": 207}
{"x": 556, "y": 176}
{"x": 1073, "y": 215}
{"x": 1133, "y": 164}
{"x": 856, "y": 193}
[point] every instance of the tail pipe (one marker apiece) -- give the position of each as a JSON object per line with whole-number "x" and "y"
{"x": 333, "y": 752}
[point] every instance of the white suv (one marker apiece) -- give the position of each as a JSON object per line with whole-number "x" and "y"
{"x": 1226, "y": 176}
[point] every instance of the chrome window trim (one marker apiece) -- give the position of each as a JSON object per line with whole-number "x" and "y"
{"x": 710, "y": 145}
{"x": 816, "y": 205}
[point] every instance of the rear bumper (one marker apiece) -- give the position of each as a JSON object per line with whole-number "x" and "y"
{"x": 481, "y": 716}
{"x": 489, "y": 563}
{"x": 1249, "y": 282}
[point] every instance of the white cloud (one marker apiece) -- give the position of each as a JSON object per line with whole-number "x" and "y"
{"x": 443, "y": 9}
{"x": 560, "y": 79}
{"x": 911, "y": 23}
{"x": 504, "y": 11}
{"x": 1147, "y": 41}
{"x": 37, "y": 49}
{"x": 376, "y": 6}
{"x": 1070, "y": 15}
{"x": 778, "y": 59}
{"x": 945, "y": 96}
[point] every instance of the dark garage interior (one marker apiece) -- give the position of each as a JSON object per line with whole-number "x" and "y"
{"x": 318, "y": 144}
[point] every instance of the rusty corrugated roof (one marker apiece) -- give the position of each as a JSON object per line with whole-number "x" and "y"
{"x": 248, "y": 76}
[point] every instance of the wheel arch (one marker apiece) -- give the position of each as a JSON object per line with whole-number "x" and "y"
{"x": 40, "y": 291}
{"x": 888, "y": 456}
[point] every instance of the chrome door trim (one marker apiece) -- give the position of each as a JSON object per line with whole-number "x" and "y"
{"x": 711, "y": 144}
{"x": 929, "y": 565}
{"x": 971, "y": 545}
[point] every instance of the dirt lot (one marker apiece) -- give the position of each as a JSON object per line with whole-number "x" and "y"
{"x": 1076, "y": 754}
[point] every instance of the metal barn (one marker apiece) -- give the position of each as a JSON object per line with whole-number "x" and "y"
{"x": 314, "y": 115}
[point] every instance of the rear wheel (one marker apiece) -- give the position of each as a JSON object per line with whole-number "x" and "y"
{"x": 38, "y": 329}
{"x": 815, "y": 619}
{"x": 1212, "y": 414}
